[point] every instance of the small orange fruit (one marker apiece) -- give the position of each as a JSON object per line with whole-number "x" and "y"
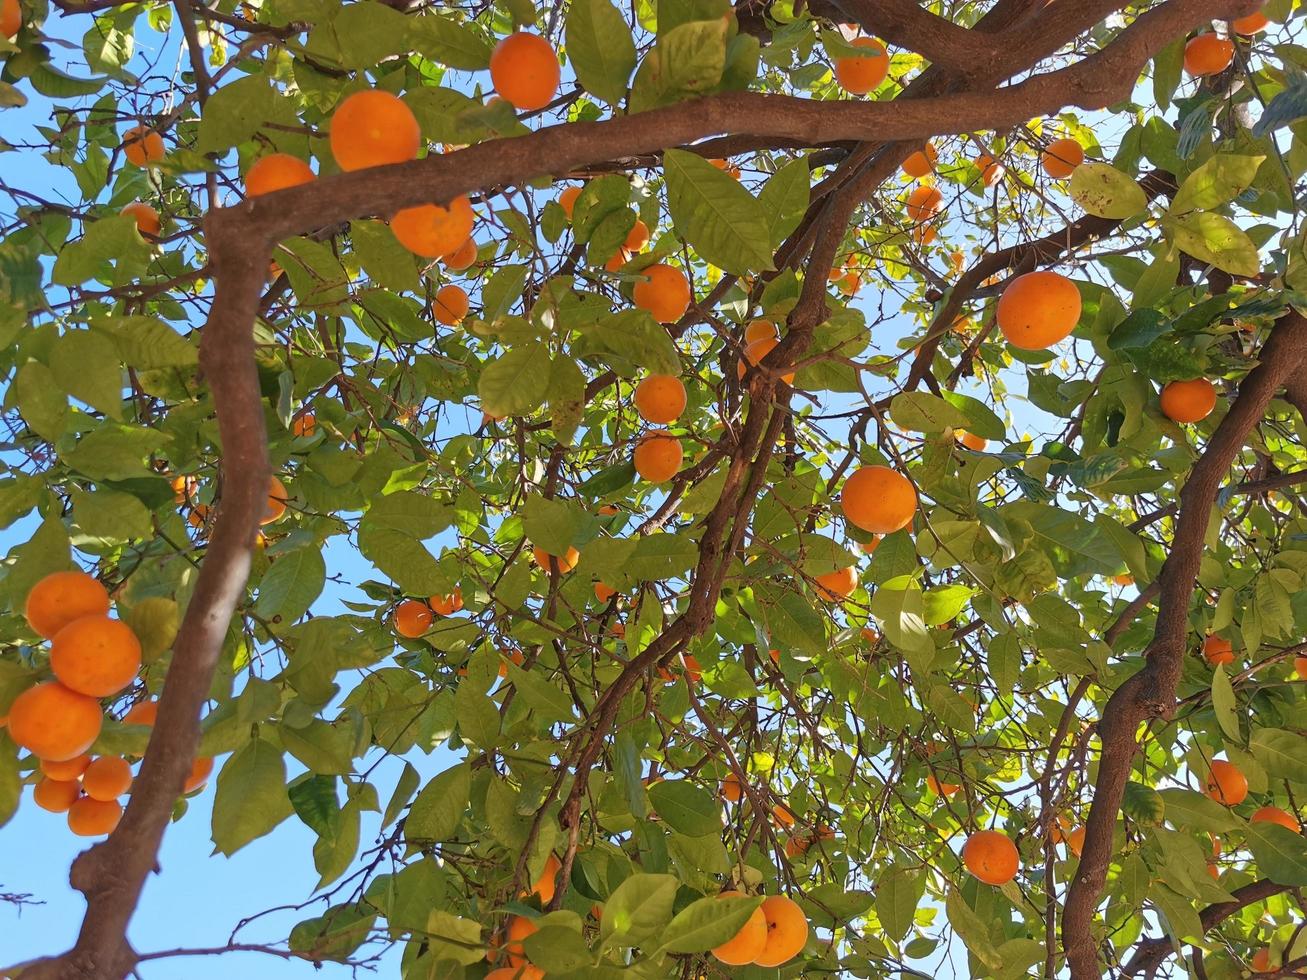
{"x": 1218, "y": 650}
{"x": 859, "y": 75}
{"x": 54, "y": 723}
{"x": 413, "y": 618}
{"x": 1300, "y": 667}
{"x": 747, "y": 944}
{"x": 451, "y": 304}
{"x": 462, "y": 257}
{"x": 1260, "y": 961}
{"x": 147, "y": 219}
{"x": 547, "y": 883}
{"x": 1252, "y": 24}
{"x": 664, "y": 292}
{"x": 732, "y": 789}
{"x": 991, "y": 857}
{"x": 787, "y": 930}
{"x": 11, "y": 18}
{"x": 556, "y": 563}
{"x": 1226, "y": 783}
{"x": 373, "y": 128}
{"x": 1208, "y": 54}
{"x": 1124, "y": 579}
{"x": 1273, "y": 814}
{"x": 784, "y": 816}
{"x": 524, "y": 70}
{"x": 304, "y": 425}
{"x": 603, "y": 593}
{"x": 1062, "y": 157}
{"x": 990, "y": 169}
{"x": 922, "y": 162}
{"x": 971, "y": 440}
{"x": 430, "y": 230}
{"x": 56, "y": 795}
{"x": 519, "y": 927}
{"x": 924, "y": 203}
{"x": 878, "y": 499}
{"x": 754, "y": 354}
{"x": 1038, "y": 309}
{"x": 759, "y": 330}
{"x": 658, "y": 456}
{"x": 142, "y": 145}
{"x": 142, "y": 713}
{"x": 637, "y": 238}
{"x": 447, "y": 605}
{"x": 276, "y": 172}
{"x": 96, "y": 656}
{"x": 567, "y": 200}
{"x": 837, "y": 585}
{"x": 67, "y": 770}
{"x": 939, "y": 788}
{"x": 1075, "y": 840}
{"x": 94, "y": 818}
{"x": 61, "y": 597}
{"x": 278, "y": 497}
{"x": 201, "y": 768}
{"x": 107, "y": 778}
{"x": 1188, "y": 401}
{"x": 660, "y": 398}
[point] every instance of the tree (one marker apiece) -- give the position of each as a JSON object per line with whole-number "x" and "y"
{"x": 675, "y": 396}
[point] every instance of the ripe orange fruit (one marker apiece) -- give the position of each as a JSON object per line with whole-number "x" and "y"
{"x": 759, "y": 330}
{"x": 107, "y": 778}
{"x": 556, "y": 563}
{"x": 142, "y": 145}
{"x": 1208, "y": 54}
{"x": 53, "y": 722}
{"x": 278, "y": 497}
{"x": 939, "y": 788}
{"x": 62, "y": 597}
{"x": 1273, "y": 814}
{"x": 462, "y": 257}
{"x": 787, "y": 930}
{"x": 1226, "y": 784}
{"x": 837, "y": 585}
{"x": 660, "y": 398}
{"x": 276, "y": 172}
{"x": 1300, "y": 667}
{"x": 67, "y": 770}
{"x": 753, "y": 355}
{"x": 11, "y": 18}
{"x": 924, "y": 203}
{"x": 412, "y": 618}
{"x": 860, "y": 75}
{"x": 603, "y": 593}
{"x": 747, "y": 944}
{"x": 732, "y": 789}
{"x": 991, "y": 857}
{"x": 1252, "y": 24}
{"x": 690, "y": 668}
{"x": 1062, "y": 157}
{"x": 547, "y": 883}
{"x": 56, "y": 795}
{"x": 1075, "y": 841}
{"x": 94, "y": 818}
{"x": 1218, "y": 650}
{"x": 447, "y": 605}
{"x": 567, "y": 200}
{"x": 877, "y": 499}
{"x": 1124, "y": 579}
{"x": 1188, "y": 401}
{"x": 990, "y": 169}
{"x": 658, "y": 456}
{"x": 524, "y": 70}
{"x": 664, "y": 292}
{"x": 1260, "y": 961}
{"x": 637, "y": 238}
{"x": 971, "y": 440}
{"x": 784, "y": 816}
{"x": 849, "y": 283}
{"x": 96, "y": 656}
{"x": 526, "y": 971}
{"x": 201, "y": 768}
{"x": 373, "y": 128}
{"x": 147, "y": 219}
{"x": 305, "y": 425}
{"x": 922, "y": 162}
{"x": 142, "y": 713}
{"x": 519, "y": 927}
{"x": 1038, "y": 309}
{"x": 924, "y": 234}
{"x": 451, "y": 304}
{"x": 430, "y": 230}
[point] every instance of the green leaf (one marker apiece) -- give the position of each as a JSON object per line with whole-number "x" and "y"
{"x": 980, "y": 418}
{"x": 639, "y": 909}
{"x": 1225, "y": 704}
{"x": 900, "y": 607}
{"x": 920, "y": 411}
{"x": 557, "y": 949}
{"x": 552, "y": 524}
{"x": 1143, "y": 803}
{"x": 391, "y": 535}
{"x": 517, "y": 382}
{"x": 1188, "y": 810}
{"x": 1218, "y": 181}
{"x": 600, "y": 48}
{"x": 1216, "y": 239}
{"x": 897, "y": 897}
{"x": 408, "y": 782}
{"x": 449, "y": 42}
{"x": 707, "y": 923}
{"x": 235, "y": 112}
{"x": 1104, "y": 191}
{"x": 502, "y": 291}
{"x": 662, "y": 555}
{"x": 85, "y": 365}
{"x": 1071, "y": 533}
{"x": 146, "y": 343}
{"x": 11, "y": 787}
{"x": 721, "y": 220}
{"x": 110, "y": 515}
{"x": 154, "y": 620}
{"x": 1281, "y": 855}
{"x": 685, "y": 807}
{"x": 784, "y": 199}
{"x": 438, "y": 809}
{"x": 968, "y": 925}
{"x": 251, "y": 798}
{"x": 388, "y": 263}
{"x": 366, "y": 33}
{"x": 635, "y": 337}
{"x": 1282, "y": 754}
{"x": 687, "y": 61}
{"x": 291, "y": 585}
{"x": 478, "y": 721}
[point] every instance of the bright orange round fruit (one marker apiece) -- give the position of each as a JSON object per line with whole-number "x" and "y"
{"x": 1300, "y": 667}
{"x": 107, "y": 778}
{"x": 447, "y": 605}
{"x": 991, "y": 857}
{"x": 760, "y": 330}
{"x": 637, "y": 238}
{"x": 1260, "y": 961}
{"x": 747, "y": 944}
{"x": 1226, "y": 783}
{"x": 1038, "y": 309}
{"x": 53, "y": 722}
{"x": 519, "y": 927}
{"x": 62, "y": 597}
{"x": 278, "y": 497}
{"x": 922, "y": 162}
{"x": 94, "y": 818}
{"x": 430, "y": 230}
{"x": 990, "y": 169}
{"x": 11, "y": 18}
{"x": 201, "y": 768}
{"x": 67, "y": 769}
{"x": 1218, "y": 650}
{"x": 837, "y": 585}
{"x": 1062, "y": 157}
{"x": 1273, "y": 814}
{"x": 878, "y": 499}
{"x": 413, "y": 618}
{"x": 1208, "y": 54}
{"x": 567, "y": 200}
{"x": 924, "y": 203}
{"x": 1188, "y": 401}
{"x": 304, "y": 425}
{"x": 373, "y": 128}
{"x": 660, "y": 398}
{"x": 664, "y": 292}
{"x": 556, "y": 563}
{"x": 971, "y": 440}
{"x": 860, "y": 75}
{"x": 524, "y": 70}
{"x": 462, "y": 257}
{"x": 754, "y": 354}
{"x": 658, "y": 456}
{"x": 451, "y": 304}
{"x": 142, "y": 145}
{"x": 276, "y": 172}
{"x": 787, "y": 930}
{"x": 732, "y": 789}
{"x": 96, "y": 656}
{"x": 147, "y": 219}
{"x": 142, "y": 713}
{"x": 1252, "y": 24}
{"x": 603, "y": 593}
{"x": 56, "y": 795}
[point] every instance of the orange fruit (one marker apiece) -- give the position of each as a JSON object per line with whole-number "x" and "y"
{"x": 849, "y": 283}
{"x": 447, "y": 605}
{"x": 971, "y": 440}
{"x": 1062, "y": 157}
{"x": 728, "y": 168}
{"x": 939, "y": 788}
{"x": 412, "y": 618}
{"x": 1252, "y": 24}
{"x": 732, "y": 790}
{"x": 11, "y": 18}
{"x": 430, "y": 230}
{"x": 547, "y": 883}
{"x": 142, "y": 145}
{"x": 837, "y": 585}
{"x": 519, "y": 927}
{"x": 787, "y": 930}
{"x": 991, "y": 857}
{"x": 691, "y": 669}
{"x": 603, "y": 593}
{"x": 96, "y": 656}
{"x": 664, "y": 292}
{"x": 1075, "y": 841}
{"x": 990, "y": 169}
{"x": 567, "y": 200}
{"x": 66, "y": 770}
{"x": 1300, "y": 667}
{"x": 555, "y": 563}
{"x": 878, "y": 499}
{"x": 201, "y": 768}
{"x": 922, "y": 162}
{"x": 305, "y": 425}
{"x": 524, "y": 70}
{"x": 860, "y": 75}
{"x": 1218, "y": 650}
{"x": 784, "y": 816}
{"x": 1273, "y": 814}
{"x": 1188, "y": 401}
{"x": 183, "y": 488}
{"x": 1226, "y": 784}
{"x": 1038, "y": 309}
{"x": 924, "y": 234}
{"x": 617, "y": 261}
{"x": 660, "y": 398}
{"x": 759, "y": 330}
{"x": 658, "y": 456}
{"x": 142, "y": 713}
{"x": 1260, "y": 961}
{"x": 94, "y": 818}
{"x": 924, "y": 203}
{"x": 276, "y": 172}
{"x": 56, "y": 795}
{"x": 753, "y": 355}
{"x": 462, "y": 257}
{"x": 956, "y": 261}
{"x": 147, "y": 219}
{"x": 373, "y": 128}
{"x": 54, "y": 723}
{"x": 525, "y": 971}
{"x": 278, "y": 497}
{"x": 107, "y": 778}
{"x": 62, "y": 597}
{"x": 747, "y": 944}
{"x": 637, "y": 238}
{"x": 451, "y": 304}
{"x": 1208, "y": 54}
{"x": 1124, "y": 579}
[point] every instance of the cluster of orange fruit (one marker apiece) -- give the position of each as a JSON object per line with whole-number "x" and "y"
{"x": 92, "y": 656}
{"x": 185, "y": 488}
{"x": 413, "y": 617}
{"x": 1219, "y": 650}
{"x": 774, "y": 934}
{"x": 1227, "y": 784}
{"x": 1211, "y": 54}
